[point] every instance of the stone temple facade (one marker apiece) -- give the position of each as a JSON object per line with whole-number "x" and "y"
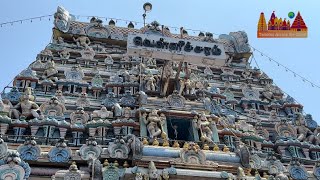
{"x": 104, "y": 102}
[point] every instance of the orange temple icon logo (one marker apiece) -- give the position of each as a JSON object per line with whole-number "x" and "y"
{"x": 282, "y": 28}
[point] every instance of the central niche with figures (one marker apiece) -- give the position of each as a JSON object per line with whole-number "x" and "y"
{"x": 180, "y": 129}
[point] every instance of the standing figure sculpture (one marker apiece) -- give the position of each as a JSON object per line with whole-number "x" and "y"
{"x": 26, "y": 107}
{"x": 187, "y": 85}
{"x": 150, "y": 82}
{"x": 154, "y": 123}
{"x": 166, "y": 74}
{"x": 204, "y": 125}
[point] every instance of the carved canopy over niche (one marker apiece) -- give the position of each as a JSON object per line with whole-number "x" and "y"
{"x": 285, "y": 130}
{"x": 12, "y": 167}
{"x": 97, "y": 30}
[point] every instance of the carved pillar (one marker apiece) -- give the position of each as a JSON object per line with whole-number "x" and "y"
{"x": 195, "y": 132}
{"x": 143, "y": 127}
{"x": 63, "y": 132}
{"x": 306, "y": 152}
{"x": 34, "y": 130}
{"x": 215, "y": 136}
{"x": 18, "y": 132}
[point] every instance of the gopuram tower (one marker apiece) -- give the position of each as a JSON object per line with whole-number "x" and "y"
{"x": 103, "y": 102}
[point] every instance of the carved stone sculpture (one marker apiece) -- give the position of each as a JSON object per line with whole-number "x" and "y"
{"x": 153, "y": 172}
{"x": 304, "y": 133}
{"x": 103, "y": 113}
{"x": 273, "y": 116}
{"x": 167, "y": 72}
{"x": 82, "y": 41}
{"x": 53, "y": 107}
{"x": 12, "y": 167}
{"x": 50, "y": 71}
{"x": 62, "y": 19}
{"x": 27, "y": 106}
{"x": 150, "y": 82}
{"x": 83, "y": 101}
{"x": 188, "y": 86}
{"x": 64, "y": 56}
{"x": 204, "y": 126}
{"x": 154, "y": 124}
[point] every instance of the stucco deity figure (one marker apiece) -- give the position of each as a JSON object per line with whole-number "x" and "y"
{"x": 83, "y": 41}
{"x": 103, "y": 114}
{"x": 273, "y": 116}
{"x": 109, "y": 62}
{"x": 26, "y": 107}
{"x": 303, "y": 132}
{"x": 267, "y": 93}
{"x": 126, "y": 114}
{"x": 151, "y": 62}
{"x": 204, "y": 125}
{"x": 166, "y": 74}
{"x": 246, "y": 74}
{"x": 187, "y": 85}
{"x": 53, "y": 107}
{"x": 64, "y": 56}
{"x": 5, "y": 107}
{"x": 117, "y": 110}
{"x": 150, "y": 82}
{"x": 60, "y": 96}
{"x": 154, "y": 123}
{"x": 60, "y": 40}
{"x": 50, "y": 71}
{"x": 139, "y": 176}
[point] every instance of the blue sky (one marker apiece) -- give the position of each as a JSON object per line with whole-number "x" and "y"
{"x": 21, "y": 43}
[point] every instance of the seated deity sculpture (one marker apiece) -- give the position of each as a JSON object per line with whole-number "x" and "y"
{"x": 26, "y": 107}
{"x": 303, "y": 132}
{"x": 103, "y": 114}
{"x": 204, "y": 125}
{"x": 50, "y": 71}
{"x": 154, "y": 123}
{"x": 83, "y": 41}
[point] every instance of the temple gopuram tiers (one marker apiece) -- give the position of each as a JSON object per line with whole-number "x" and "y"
{"x": 103, "y": 102}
